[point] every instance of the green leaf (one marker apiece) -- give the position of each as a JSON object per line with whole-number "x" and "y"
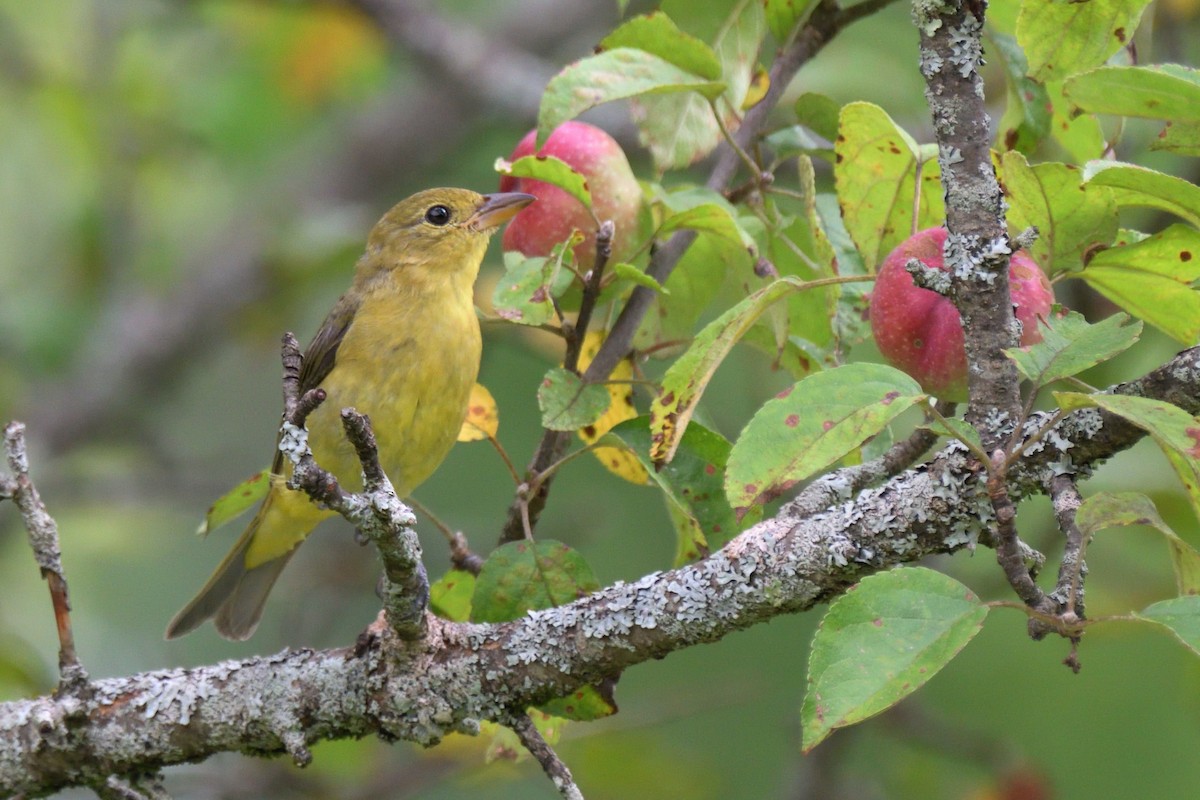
{"x": 1174, "y": 430}
{"x": 1080, "y": 135}
{"x": 567, "y": 403}
{"x": 234, "y": 502}
{"x": 450, "y": 596}
{"x": 585, "y": 704}
{"x": 710, "y": 218}
{"x": 684, "y": 382}
{"x": 525, "y": 294}
{"x": 631, "y": 273}
{"x": 1070, "y": 345}
{"x": 680, "y": 129}
{"x": 956, "y": 428}
{"x": 1138, "y": 186}
{"x": 526, "y": 576}
{"x": 694, "y": 283}
{"x": 1179, "y": 615}
{"x": 782, "y": 16}
{"x": 657, "y": 33}
{"x": 1120, "y": 509}
{"x": 1179, "y": 137}
{"x": 808, "y": 427}
{"x": 693, "y": 485}
{"x": 819, "y": 113}
{"x": 1026, "y": 120}
{"x": 549, "y": 169}
{"x": 1153, "y": 92}
{"x": 1060, "y": 39}
{"x": 1154, "y": 279}
{"x": 613, "y": 75}
{"x": 875, "y": 175}
{"x": 1073, "y": 219}
{"x": 880, "y": 642}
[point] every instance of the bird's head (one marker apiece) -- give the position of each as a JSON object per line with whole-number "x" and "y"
{"x": 438, "y": 233}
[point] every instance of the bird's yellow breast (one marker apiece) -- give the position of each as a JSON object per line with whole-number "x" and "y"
{"x": 408, "y": 361}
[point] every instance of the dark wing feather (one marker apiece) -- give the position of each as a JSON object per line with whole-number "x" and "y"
{"x": 321, "y": 354}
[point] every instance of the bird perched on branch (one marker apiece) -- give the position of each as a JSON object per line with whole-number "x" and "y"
{"x": 402, "y": 346}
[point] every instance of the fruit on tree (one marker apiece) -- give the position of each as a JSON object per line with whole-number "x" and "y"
{"x": 920, "y": 332}
{"x": 615, "y": 192}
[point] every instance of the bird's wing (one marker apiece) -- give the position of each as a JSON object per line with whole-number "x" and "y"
{"x": 321, "y": 354}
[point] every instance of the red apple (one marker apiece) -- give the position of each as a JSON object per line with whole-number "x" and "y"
{"x": 615, "y": 195}
{"x": 920, "y": 331}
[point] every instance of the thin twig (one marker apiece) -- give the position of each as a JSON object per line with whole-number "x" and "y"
{"x": 1007, "y": 544}
{"x": 43, "y": 538}
{"x": 552, "y": 765}
{"x": 1068, "y": 592}
{"x": 461, "y": 555}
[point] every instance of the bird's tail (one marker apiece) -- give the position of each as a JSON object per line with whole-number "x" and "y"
{"x": 235, "y": 594}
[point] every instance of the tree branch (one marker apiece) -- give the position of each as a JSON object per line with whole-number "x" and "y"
{"x": 462, "y": 673}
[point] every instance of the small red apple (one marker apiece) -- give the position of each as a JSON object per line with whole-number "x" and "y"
{"x": 920, "y": 331}
{"x": 615, "y": 192}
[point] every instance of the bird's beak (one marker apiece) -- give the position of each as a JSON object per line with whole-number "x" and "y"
{"x": 496, "y": 209}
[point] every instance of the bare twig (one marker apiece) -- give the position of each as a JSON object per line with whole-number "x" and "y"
{"x": 540, "y": 749}
{"x": 1007, "y": 543}
{"x": 525, "y": 509}
{"x": 43, "y": 538}
{"x": 1068, "y": 592}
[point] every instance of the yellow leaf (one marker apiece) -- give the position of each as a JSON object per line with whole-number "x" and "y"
{"x": 757, "y": 90}
{"x": 483, "y": 418}
{"x": 621, "y": 463}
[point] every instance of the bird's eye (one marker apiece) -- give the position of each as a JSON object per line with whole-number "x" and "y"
{"x": 437, "y": 215}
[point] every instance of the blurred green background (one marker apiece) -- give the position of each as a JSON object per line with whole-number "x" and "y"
{"x": 182, "y": 181}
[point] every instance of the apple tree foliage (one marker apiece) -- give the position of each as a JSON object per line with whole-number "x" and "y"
{"x": 785, "y": 265}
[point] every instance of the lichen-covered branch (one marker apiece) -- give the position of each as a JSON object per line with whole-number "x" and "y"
{"x": 463, "y": 673}
{"x": 977, "y": 248}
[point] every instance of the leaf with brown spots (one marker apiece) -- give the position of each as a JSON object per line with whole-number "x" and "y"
{"x": 524, "y": 293}
{"x": 876, "y": 177}
{"x": 685, "y": 381}
{"x": 1072, "y": 217}
{"x": 234, "y": 502}
{"x": 880, "y": 642}
{"x": 617, "y": 460}
{"x": 548, "y": 169}
{"x": 1154, "y": 280}
{"x": 483, "y": 418}
{"x": 1061, "y": 39}
{"x": 823, "y": 418}
{"x": 1121, "y": 509}
{"x": 692, "y": 484}
{"x": 1171, "y": 428}
{"x": 1167, "y": 92}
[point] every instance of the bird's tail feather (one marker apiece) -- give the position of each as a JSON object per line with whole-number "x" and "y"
{"x": 235, "y": 594}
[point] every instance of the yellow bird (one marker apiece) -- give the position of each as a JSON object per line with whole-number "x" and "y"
{"x": 402, "y": 346}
